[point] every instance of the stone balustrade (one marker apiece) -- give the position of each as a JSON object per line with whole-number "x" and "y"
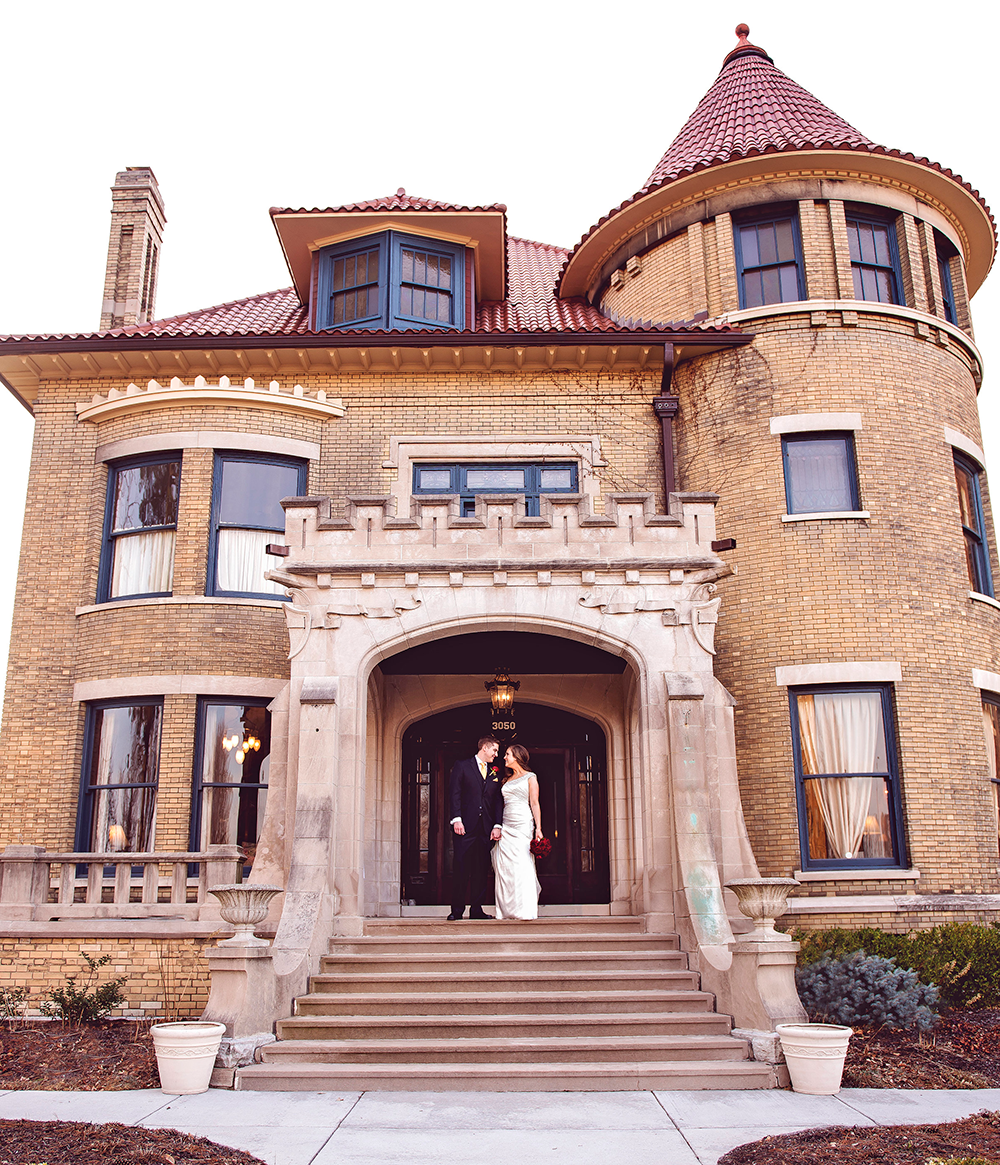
{"x": 38, "y": 885}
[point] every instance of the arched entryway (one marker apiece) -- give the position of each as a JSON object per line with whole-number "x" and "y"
{"x": 569, "y": 754}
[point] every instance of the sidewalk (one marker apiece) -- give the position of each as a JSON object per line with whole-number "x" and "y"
{"x": 489, "y": 1128}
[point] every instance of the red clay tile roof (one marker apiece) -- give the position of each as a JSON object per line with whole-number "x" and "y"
{"x": 398, "y": 201}
{"x": 753, "y": 107}
{"x": 531, "y": 307}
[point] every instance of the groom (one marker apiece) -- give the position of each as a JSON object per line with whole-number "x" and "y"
{"x": 476, "y": 808}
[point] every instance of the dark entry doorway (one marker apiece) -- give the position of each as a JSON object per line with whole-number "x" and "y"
{"x": 568, "y": 753}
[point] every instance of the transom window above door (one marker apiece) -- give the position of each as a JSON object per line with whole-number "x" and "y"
{"x": 468, "y": 480}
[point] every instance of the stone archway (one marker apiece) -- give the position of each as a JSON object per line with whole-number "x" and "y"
{"x": 631, "y": 582}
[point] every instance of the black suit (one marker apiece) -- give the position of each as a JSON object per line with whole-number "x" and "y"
{"x": 479, "y": 803}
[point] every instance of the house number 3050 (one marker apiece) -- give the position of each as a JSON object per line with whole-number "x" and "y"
{"x": 504, "y": 725}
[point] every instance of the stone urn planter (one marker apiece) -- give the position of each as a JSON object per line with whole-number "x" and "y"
{"x": 244, "y": 907}
{"x": 815, "y": 1054}
{"x": 185, "y": 1054}
{"x": 762, "y": 900}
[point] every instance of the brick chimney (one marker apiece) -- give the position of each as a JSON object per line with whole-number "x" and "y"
{"x": 137, "y": 222}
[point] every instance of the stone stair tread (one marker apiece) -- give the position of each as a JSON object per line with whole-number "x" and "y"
{"x": 476, "y": 957}
{"x": 499, "y": 1044}
{"x": 435, "y": 1004}
{"x": 451, "y": 1023}
{"x": 498, "y": 1076}
{"x": 609, "y": 976}
{"x": 529, "y": 1003}
{"x": 487, "y": 938}
{"x": 531, "y": 1016}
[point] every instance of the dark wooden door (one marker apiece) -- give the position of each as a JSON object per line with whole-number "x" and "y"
{"x": 568, "y": 754}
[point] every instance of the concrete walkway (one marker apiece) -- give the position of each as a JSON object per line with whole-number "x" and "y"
{"x": 479, "y": 1128}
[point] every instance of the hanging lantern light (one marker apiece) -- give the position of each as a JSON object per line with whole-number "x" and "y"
{"x": 501, "y": 689}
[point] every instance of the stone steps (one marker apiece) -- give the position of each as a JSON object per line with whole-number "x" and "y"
{"x": 531, "y": 961}
{"x": 581, "y": 1003}
{"x": 459, "y": 1051}
{"x": 423, "y": 981}
{"x": 507, "y": 1077}
{"x": 501, "y": 1026}
{"x": 435, "y": 1003}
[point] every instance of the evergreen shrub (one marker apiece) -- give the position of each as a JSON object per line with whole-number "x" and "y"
{"x": 866, "y": 991}
{"x": 962, "y": 959}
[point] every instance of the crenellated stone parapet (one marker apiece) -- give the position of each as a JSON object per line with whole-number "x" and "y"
{"x": 610, "y": 569}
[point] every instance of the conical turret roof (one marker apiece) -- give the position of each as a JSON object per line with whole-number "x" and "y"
{"x": 753, "y": 111}
{"x": 752, "y": 108}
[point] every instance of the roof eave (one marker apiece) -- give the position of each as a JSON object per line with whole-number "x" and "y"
{"x": 26, "y": 362}
{"x": 922, "y": 179}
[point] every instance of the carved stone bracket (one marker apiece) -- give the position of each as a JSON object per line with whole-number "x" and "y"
{"x": 699, "y": 612}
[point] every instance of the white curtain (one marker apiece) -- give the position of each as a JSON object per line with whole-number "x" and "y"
{"x": 242, "y": 562}
{"x": 840, "y": 733}
{"x": 144, "y": 563}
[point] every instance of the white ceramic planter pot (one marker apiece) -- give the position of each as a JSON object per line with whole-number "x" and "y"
{"x": 185, "y": 1054}
{"x": 815, "y": 1054}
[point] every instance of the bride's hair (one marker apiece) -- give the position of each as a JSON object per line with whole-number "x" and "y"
{"x": 520, "y": 754}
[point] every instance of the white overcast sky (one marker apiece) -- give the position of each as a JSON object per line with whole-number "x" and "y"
{"x": 558, "y": 109}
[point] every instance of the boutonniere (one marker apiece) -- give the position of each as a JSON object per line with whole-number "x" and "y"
{"x": 493, "y": 771}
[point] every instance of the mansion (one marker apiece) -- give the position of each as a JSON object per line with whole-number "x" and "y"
{"x": 708, "y": 487}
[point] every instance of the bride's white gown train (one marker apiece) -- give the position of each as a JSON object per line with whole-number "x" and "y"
{"x": 517, "y": 886}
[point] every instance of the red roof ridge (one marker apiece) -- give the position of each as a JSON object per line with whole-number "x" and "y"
{"x": 398, "y": 201}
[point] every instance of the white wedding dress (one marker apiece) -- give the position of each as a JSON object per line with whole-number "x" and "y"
{"x": 517, "y": 886}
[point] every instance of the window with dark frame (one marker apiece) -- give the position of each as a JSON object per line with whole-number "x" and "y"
{"x": 117, "y": 811}
{"x": 140, "y": 526}
{"x": 991, "y": 730}
{"x": 820, "y": 473}
{"x": 391, "y": 280}
{"x": 874, "y": 258}
{"x": 232, "y": 763}
{"x": 846, "y": 776}
{"x": 970, "y": 504}
{"x": 533, "y": 480}
{"x": 769, "y": 260}
{"x": 246, "y": 516}
{"x": 945, "y": 253}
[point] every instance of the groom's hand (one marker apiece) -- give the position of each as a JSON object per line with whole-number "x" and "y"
{"x": 459, "y": 829}
{"x": 495, "y": 835}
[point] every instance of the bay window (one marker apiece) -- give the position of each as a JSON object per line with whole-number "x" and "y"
{"x": 117, "y": 812}
{"x": 140, "y": 525}
{"x": 231, "y": 774}
{"x": 246, "y": 516}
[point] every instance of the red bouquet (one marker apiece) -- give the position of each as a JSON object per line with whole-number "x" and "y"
{"x": 541, "y": 847}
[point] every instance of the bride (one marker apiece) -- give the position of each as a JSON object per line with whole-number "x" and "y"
{"x": 517, "y": 887}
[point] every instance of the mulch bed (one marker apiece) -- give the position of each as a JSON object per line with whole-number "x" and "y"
{"x": 961, "y": 1051}
{"x": 972, "y": 1140}
{"x": 74, "y": 1143}
{"x": 96, "y": 1057}
{"x": 109, "y": 1055}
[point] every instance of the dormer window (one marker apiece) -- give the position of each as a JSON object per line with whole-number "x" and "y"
{"x": 391, "y": 280}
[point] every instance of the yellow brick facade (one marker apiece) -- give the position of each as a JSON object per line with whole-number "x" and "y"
{"x": 164, "y": 978}
{"x": 886, "y": 584}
